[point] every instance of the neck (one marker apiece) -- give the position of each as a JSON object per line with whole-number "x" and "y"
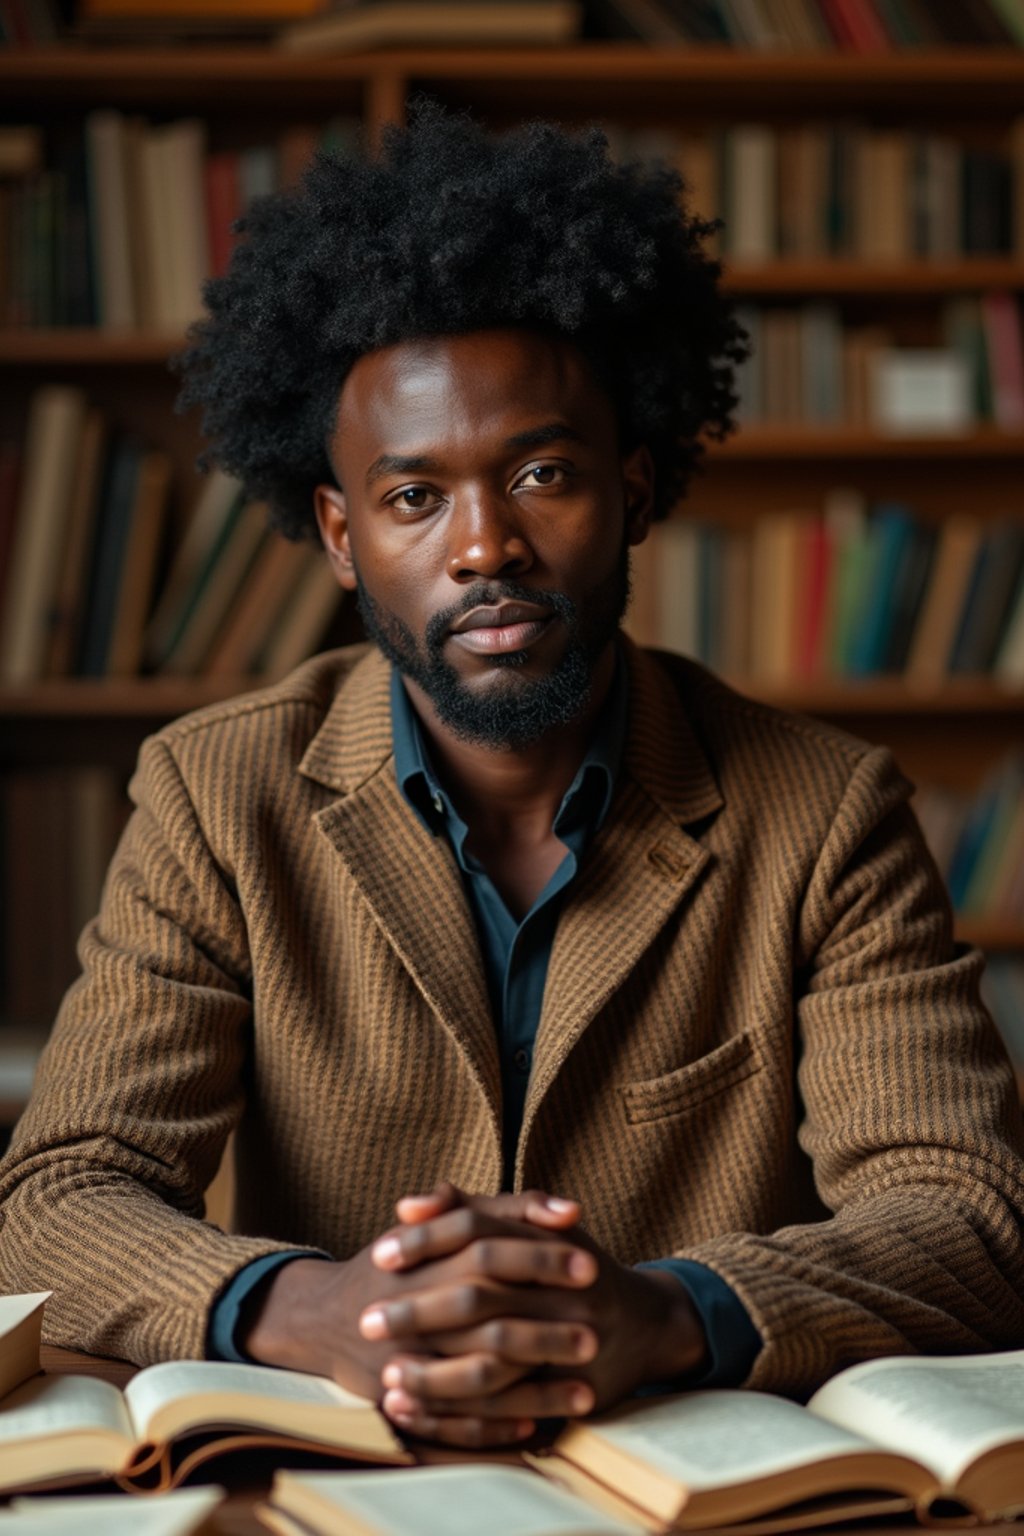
{"x": 521, "y": 786}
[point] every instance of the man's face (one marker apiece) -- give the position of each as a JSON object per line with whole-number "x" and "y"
{"x": 483, "y": 520}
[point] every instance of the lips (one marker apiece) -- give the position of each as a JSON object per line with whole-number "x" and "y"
{"x": 501, "y": 617}
{"x": 501, "y": 630}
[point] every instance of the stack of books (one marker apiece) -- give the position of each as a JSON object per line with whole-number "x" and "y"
{"x": 848, "y": 592}
{"x": 869, "y": 27}
{"x": 119, "y": 225}
{"x": 808, "y": 368}
{"x": 845, "y": 189}
{"x": 85, "y": 590}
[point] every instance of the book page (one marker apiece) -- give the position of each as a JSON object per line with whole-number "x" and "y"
{"x": 715, "y": 1439}
{"x": 944, "y": 1412}
{"x": 164, "y": 1400}
{"x": 446, "y": 1501}
{"x": 21, "y": 1321}
{"x": 158, "y": 1514}
{"x": 57, "y": 1424}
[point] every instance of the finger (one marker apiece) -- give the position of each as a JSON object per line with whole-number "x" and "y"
{"x": 436, "y": 1382}
{"x": 525, "y": 1400}
{"x": 468, "y": 1433}
{"x": 445, "y": 1197}
{"x": 522, "y": 1341}
{"x": 487, "y": 1248}
{"x": 463, "y": 1304}
{"x": 534, "y": 1205}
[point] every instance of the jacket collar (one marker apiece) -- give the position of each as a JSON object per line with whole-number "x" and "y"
{"x": 663, "y": 750}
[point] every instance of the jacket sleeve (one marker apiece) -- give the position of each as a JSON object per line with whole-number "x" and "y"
{"x": 101, "y": 1192}
{"x": 909, "y": 1115}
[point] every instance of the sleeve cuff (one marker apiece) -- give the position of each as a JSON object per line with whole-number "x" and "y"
{"x": 227, "y": 1309}
{"x": 733, "y": 1341}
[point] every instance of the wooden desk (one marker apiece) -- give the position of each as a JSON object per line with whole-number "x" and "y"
{"x": 235, "y": 1517}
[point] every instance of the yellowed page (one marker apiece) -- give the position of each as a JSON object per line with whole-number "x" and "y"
{"x": 717, "y": 1439}
{"x": 171, "y": 1399}
{"x": 945, "y": 1412}
{"x": 62, "y": 1425}
{"x": 442, "y": 1501}
{"x": 158, "y": 1514}
{"x": 21, "y": 1319}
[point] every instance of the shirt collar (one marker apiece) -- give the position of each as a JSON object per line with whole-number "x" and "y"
{"x": 585, "y": 803}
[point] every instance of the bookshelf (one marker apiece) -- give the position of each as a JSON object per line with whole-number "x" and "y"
{"x": 955, "y": 731}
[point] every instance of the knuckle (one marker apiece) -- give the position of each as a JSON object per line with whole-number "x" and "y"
{"x": 497, "y": 1335}
{"x": 464, "y": 1223}
{"x": 482, "y": 1254}
{"x": 467, "y": 1299}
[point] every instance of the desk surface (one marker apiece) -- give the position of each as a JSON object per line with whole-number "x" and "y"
{"x": 235, "y": 1517}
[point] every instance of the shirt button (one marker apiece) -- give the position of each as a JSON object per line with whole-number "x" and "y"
{"x": 438, "y": 804}
{"x": 522, "y": 1060}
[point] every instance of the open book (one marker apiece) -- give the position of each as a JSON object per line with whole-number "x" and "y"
{"x": 942, "y": 1436}
{"x": 165, "y": 1514}
{"x": 433, "y": 1501}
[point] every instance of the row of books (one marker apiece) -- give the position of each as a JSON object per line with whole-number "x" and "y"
{"x": 85, "y": 589}
{"x": 119, "y": 225}
{"x": 808, "y": 366}
{"x": 848, "y": 591}
{"x": 978, "y": 842}
{"x": 816, "y": 190}
{"x": 848, "y": 26}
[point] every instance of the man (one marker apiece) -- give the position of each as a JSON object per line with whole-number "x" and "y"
{"x": 638, "y": 999}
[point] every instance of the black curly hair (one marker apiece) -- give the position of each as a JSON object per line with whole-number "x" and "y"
{"x": 451, "y": 229}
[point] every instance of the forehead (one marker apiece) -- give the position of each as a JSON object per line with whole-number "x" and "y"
{"x": 502, "y": 380}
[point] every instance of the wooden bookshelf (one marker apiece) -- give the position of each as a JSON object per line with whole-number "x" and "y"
{"x": 250, "y": 93}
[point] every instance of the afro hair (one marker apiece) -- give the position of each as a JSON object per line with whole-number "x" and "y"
{"x": 450, "y": 229}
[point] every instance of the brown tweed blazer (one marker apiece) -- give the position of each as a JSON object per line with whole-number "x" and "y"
{"x": 754, "y": 1018}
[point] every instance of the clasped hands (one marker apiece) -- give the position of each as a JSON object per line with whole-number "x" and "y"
{"x": 476, "y": 1316}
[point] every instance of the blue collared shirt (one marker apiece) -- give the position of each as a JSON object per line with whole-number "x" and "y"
{"x": 515, "y": 957}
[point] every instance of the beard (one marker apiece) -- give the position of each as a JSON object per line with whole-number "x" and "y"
{"x": 513, "y": 710}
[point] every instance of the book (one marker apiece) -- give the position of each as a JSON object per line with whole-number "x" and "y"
{"x": 940, "y": 1434}
{"x": 1008, "y": 666}
{"x": 931, "y": 643}
{"x": 279, "y": 568}
{"x": 117, "y": 501}
{"x": 164, "y": 1514}
{"x": 314, "y": 602}
{"x": 55, "y": 425}
{"x": 413, "y": 23}
{"x": 109, "y": 219}
{"x": 174, "y": 1417}
{"x": 69, "y": 599}
{"x": 997, "y": 567}
{"x": 209, "y": 524}
{"x": 219, "y": 589}
{"x": 435, "y": 1501}
{"x": 138, "y": 564}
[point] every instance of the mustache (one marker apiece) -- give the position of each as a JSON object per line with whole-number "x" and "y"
{"x": 487, "y": 594}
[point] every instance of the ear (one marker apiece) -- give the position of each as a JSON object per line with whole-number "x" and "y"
{"x": 638, "y": 490}
{"x": 332, "y": 520}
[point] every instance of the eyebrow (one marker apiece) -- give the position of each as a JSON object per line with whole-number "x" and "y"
{"x": 415, "y": 463}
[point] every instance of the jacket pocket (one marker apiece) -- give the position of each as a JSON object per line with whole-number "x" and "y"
{"x": 691, "y": 1085}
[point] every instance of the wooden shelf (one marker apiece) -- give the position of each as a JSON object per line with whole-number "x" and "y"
{"x": 903, "y": 279}
{"x": 804, "y": 442}
{"x": 84, "y": 345}
{"x": 518, "y": 79}
{"x": 991, "y": 935}
{"x": 884, "y": 696}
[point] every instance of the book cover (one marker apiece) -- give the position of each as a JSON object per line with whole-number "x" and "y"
{"x": 113, "y": 527}
{"x": 997, "y": 569}
{"x": 932, "y": 640}
{"x": 271, "y": 582}
{"x": 412, "y": 23}
{"x": 70, "y": 597}
{"x": 138, "y": 565}
{"x": 890, "y": 532}
{"x": 216, "y": 505}
{"x": 301, "y": 628}
{"x": 109, "y": 203}
{"x": 909, "y": 587}
{"x": 1008, "y": 665}
{"x": 1004, "y": 345}
{"x": 750, "y": 206}
{"x": 55, "y": 425}
{"x": 218, "y": 590}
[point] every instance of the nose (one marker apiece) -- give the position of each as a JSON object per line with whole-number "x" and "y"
{"x": 487, "y": 541}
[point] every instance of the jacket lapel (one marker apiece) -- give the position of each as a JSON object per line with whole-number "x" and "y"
{"x": 641, "y": 866}
{"x": 408, "y": 878}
